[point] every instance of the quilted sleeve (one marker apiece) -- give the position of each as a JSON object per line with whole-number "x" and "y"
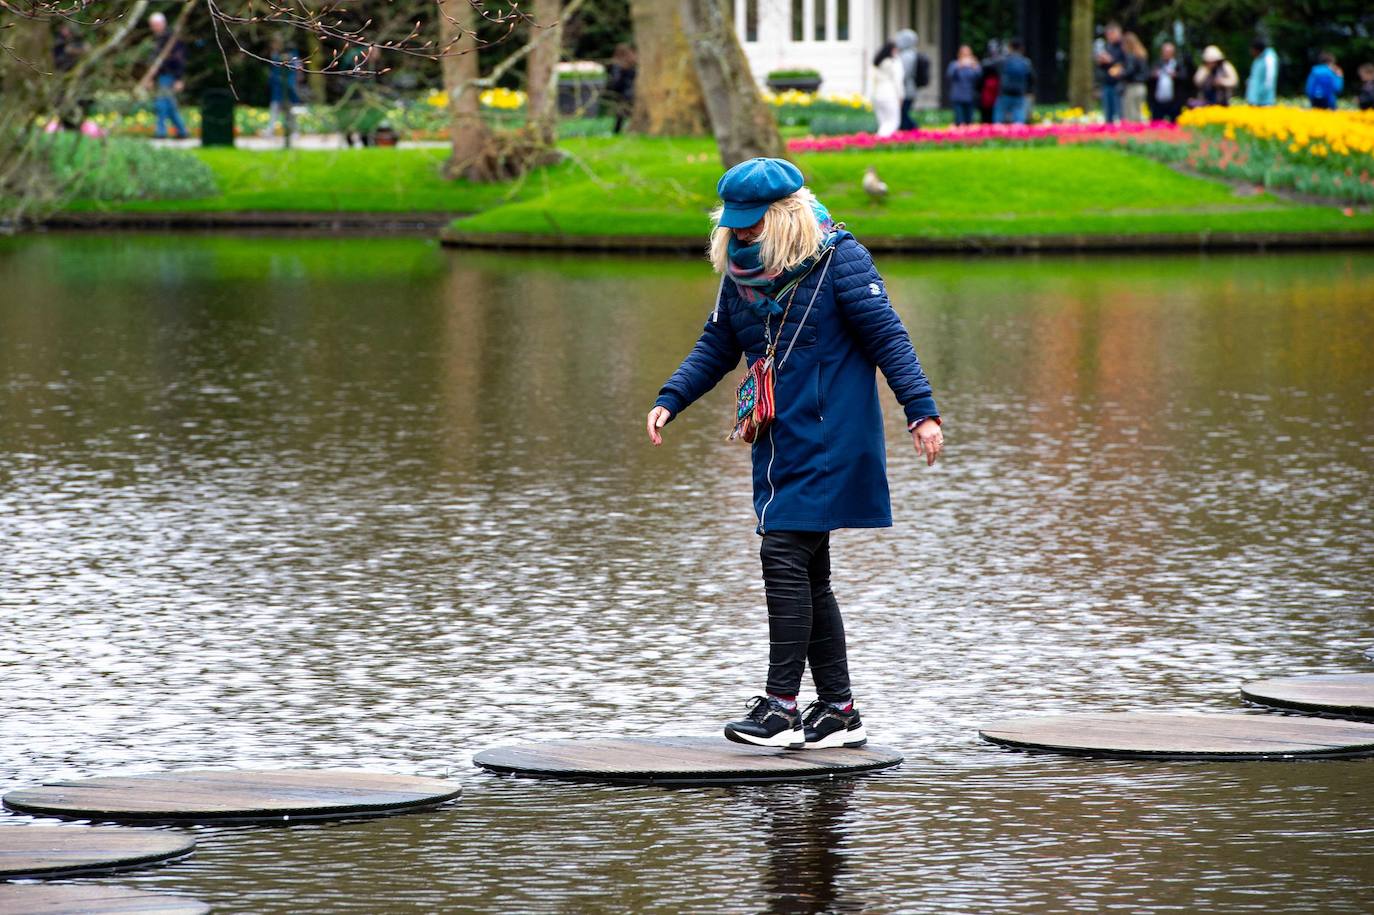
{"x": 716, "y": 352}
{"x": 862, "y": 301}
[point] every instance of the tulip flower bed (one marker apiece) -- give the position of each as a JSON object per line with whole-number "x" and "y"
{"x": 1327, "y": 154}
{"x": 978, "y": 135}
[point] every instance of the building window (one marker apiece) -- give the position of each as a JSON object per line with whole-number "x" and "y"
{"x": 751, "y": 20}
{"x": 798, "y": 25}
{"x": 841, "y": 20}
{"x": 820, "y": 20}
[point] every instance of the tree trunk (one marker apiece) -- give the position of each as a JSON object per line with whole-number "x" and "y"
{"x": 468, "y": 132}
{"x": 1081, "y": 55}
{"x": 668, "y": 98}
{"x": 541, "y": 107}
{"x": 740, "y": 119}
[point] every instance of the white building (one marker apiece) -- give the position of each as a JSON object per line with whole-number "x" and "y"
{"x": 836, "y": 37}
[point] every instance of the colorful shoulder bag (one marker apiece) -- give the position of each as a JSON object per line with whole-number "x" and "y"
{"x": 755, "y": 406}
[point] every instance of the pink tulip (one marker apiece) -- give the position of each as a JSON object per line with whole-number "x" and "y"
{"x": 974, "y": 134}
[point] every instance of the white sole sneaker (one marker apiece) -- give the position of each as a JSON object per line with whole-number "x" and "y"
{"x": 783, "y": 740}
{"x": 847, "y": 740}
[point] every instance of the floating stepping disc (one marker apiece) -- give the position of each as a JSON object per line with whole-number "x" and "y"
{"x": 93, "y": 900}
{"x": 1343, "y": 695}
{"x": 679, "y": 761}
{"x": 52, "y": 851}
{"x": 237, "y": 796}
{"x": 1149, "y": 735}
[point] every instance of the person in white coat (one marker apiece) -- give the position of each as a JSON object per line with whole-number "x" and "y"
{"x": 888, "y": 82}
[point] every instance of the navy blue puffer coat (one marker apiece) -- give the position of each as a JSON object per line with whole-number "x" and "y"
{"x": 822, "y": 464}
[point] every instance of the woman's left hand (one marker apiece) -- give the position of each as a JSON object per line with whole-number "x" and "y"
{"x": 929, "y": 440}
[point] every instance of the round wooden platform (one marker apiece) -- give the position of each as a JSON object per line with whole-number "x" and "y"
{"x": 237, "y": 796}
{"x": 679, "y": 761}
{"x": 93, "y": 900}
{"x": 1342, "y": 695}
{"x": 1150, "y": 735}
{"x": 52, "y": 851}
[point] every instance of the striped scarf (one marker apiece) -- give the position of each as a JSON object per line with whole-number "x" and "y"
{"x": 764, "y": 292}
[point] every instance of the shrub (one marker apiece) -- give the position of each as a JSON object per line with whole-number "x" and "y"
{"x": 118, "y": 169}
{"x": 794, "y": 74}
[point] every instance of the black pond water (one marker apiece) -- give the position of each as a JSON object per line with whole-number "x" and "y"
{"x": 283, "y": 501}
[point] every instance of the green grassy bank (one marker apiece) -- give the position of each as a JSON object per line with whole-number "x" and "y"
{"x": 632, "y": 186}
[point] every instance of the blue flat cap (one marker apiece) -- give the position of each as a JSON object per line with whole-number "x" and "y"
{"x": 748, "y": 189}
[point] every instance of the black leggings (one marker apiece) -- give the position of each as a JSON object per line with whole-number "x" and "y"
{"x": 803, "y": 619}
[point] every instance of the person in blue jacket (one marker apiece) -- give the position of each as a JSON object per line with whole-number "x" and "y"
{"x": 1325, "y": 82}
{"x": 792, "y": 278}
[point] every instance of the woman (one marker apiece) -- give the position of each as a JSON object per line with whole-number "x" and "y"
{"x": 963, "y": 76}
{"x": 795, "y": 282}
{"x": 1216, "y": 79}
{"x": 888, "y": 82}
{"x": 1135, "y": 72}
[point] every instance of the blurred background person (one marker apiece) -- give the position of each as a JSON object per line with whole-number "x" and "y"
{"x": 1366, "y": 73}
{"x": 168, "y": 77}
{"x": 987, "y": 86}
{"x": 1017, "y": 82}
{"x": 281, "y": 87}
{"x": 1215, "y": 79}
{"x": 620, "y": 84}
{"x": 915, "y": 73}
{"x": 963, "y": 77}
{"x": 1166, "y": 85}
{"x": 1262, "y": 85}
{"x": 888, "y": 82}
{"x": 1135, "y": 73}
{"x": 1110, "y": 59}
{"x": 1325, "y": 82}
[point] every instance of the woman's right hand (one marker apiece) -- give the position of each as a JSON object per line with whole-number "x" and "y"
{"x": 657, "y": 417}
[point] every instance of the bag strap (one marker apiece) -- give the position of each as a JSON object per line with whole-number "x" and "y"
{"x": 815, "y": 292}
{"x": 720, "y": 293}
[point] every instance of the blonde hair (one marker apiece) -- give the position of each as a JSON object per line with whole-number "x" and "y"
{"x": 791, "y": 233}
{"x": 1130, "y": 43}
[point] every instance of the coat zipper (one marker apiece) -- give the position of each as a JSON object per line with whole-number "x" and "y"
{"x": 772, "y": 491}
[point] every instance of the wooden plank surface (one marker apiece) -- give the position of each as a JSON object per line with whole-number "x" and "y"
{"x": 678, "y": 760}
{"x": 243, "y": 795}
{"x": 47, "y": 851}
{"x": 1344, "y": 695}
{"x": 1184, "y": 736}
{"x": 18, "y": 899}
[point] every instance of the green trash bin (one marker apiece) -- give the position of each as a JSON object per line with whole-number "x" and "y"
{"x": 217, "y": 118}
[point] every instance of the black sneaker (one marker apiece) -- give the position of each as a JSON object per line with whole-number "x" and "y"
{"x": 769, "y": 724}
{"x": 826, "y": 727}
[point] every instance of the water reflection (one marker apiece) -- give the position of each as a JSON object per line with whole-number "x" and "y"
{"x": 362, "y": 502}
{"x": 806, "y": 847}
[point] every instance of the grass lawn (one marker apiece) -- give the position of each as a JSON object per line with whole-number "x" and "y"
{"x": 666, "y": 187}
{"x": 940, "y": 192}
{"x": 369, "y": 180}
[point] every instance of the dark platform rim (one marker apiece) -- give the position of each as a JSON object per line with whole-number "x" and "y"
{"x": 184, "y": 850}
{"x": 989, "y": 732}
{"x": 1322, "y": 709}
{"x": 246, "y": 816}
{"x": 688, "y": 778}
{"x": 1355, "y": 752}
